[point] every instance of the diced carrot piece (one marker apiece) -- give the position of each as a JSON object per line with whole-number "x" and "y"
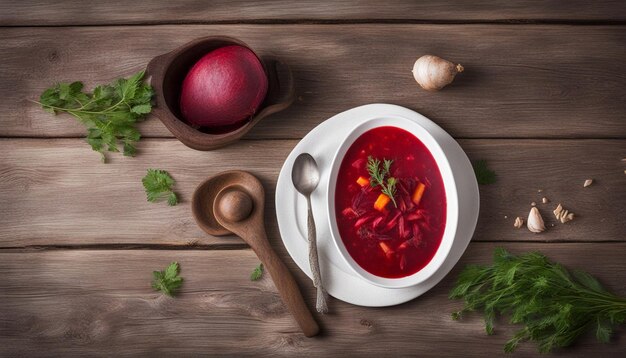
{"x": 386, "y": 249}
{"x": 381, "y": 202}
{"x": 418, "y": 193}
{"x": 362, "y": 181}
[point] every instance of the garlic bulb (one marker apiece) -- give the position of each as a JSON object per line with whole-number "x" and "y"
{"x": 434, "y": 73}
{"x": 535, "y": 221}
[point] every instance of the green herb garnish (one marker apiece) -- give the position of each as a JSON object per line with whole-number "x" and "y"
{"x": 484, "y": 175}
{"x": 109, "y": 113}
{"x": 168, "y": 281}
{"x": 378, "y": 174}
{"x": 158, "y": 185}
{"x": 554, "y": 305}
{"x": 257, "y": 273}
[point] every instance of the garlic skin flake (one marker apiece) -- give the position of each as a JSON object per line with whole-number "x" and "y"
{"x": 518, "y": 222}
{"x": 535, "y": 221}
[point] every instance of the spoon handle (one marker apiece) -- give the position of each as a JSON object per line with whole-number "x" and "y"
{"x": 285, "y": 283}
{"x": 321, "y": 305}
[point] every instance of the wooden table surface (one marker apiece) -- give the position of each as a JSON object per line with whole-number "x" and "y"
{"x": 543, "y": 99}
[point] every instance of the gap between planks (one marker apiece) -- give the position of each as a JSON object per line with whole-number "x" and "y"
{"x": 270, "y": 22}
{"x": 239, "y": 246}
{"x": 247, "y": 139}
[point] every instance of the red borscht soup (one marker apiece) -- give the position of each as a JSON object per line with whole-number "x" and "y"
{"x": 390, "y": 203}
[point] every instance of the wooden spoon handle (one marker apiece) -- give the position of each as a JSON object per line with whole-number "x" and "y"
{"x": 285, "y": 283}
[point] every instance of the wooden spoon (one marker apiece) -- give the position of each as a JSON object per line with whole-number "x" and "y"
{"x": 237, "y": 205}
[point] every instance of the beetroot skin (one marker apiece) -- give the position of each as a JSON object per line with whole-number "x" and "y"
{"x": 224, "y": 88}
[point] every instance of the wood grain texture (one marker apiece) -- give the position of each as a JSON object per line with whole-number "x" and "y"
{"x": 83, "y": 303}
{"x": 76, "y": 12}
{"x": 56, "y": 191}
{"x": 521, "y": 81}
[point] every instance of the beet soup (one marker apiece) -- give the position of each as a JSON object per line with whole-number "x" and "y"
{"x": 390, "y": 203}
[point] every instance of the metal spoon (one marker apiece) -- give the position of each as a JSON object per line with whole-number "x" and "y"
{"x": 305, "y": 176}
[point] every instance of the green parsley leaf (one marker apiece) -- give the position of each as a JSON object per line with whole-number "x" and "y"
{"x": 110, "y": 112}
{"x": 257, "y": 273}
{"x": 158, "y": 185}
{"x": 484, "y": 175}
{"x": 168, "y": 281}
{"x": 555, "y": 306}
{"x": 141, "y": 108}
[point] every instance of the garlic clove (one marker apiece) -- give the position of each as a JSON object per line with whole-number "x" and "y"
{"x": 434, "y": 73}
{"x": 535, "y": 221}
{"x": 587, "y": 183}
{"x": 518, "y": 222}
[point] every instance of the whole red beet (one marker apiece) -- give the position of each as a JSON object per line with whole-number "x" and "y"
{"x": 224, "y": 88}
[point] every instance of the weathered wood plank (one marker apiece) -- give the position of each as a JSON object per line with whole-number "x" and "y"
{"x": 520, "y": 81}
{"x": 82, "y": 302}
{"x": 76, "y": 12}
{"x": 56, "y": 191}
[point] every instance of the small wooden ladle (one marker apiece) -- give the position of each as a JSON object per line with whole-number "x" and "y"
{"x": 233, "y": 202}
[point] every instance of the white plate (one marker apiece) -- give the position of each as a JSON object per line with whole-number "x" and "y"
{"x": 339, "y": 280}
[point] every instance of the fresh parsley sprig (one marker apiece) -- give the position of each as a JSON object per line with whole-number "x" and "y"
{"x": 555, "y": 306}
{"x": 158, "y": 185}
{"x": 257, "y": 273}
{"x": 378, "y": 175}
{"x": 110, "y": 112}
{"x": 168, "y": 281}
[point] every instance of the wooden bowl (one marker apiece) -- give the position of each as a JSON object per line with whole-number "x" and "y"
{"x": 169, "y": 70}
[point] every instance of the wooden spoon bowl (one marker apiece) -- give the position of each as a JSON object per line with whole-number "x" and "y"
{"x": 204, "y": 197}
{"x": 169, "y": 70}
{"x": 233, "y": 202}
